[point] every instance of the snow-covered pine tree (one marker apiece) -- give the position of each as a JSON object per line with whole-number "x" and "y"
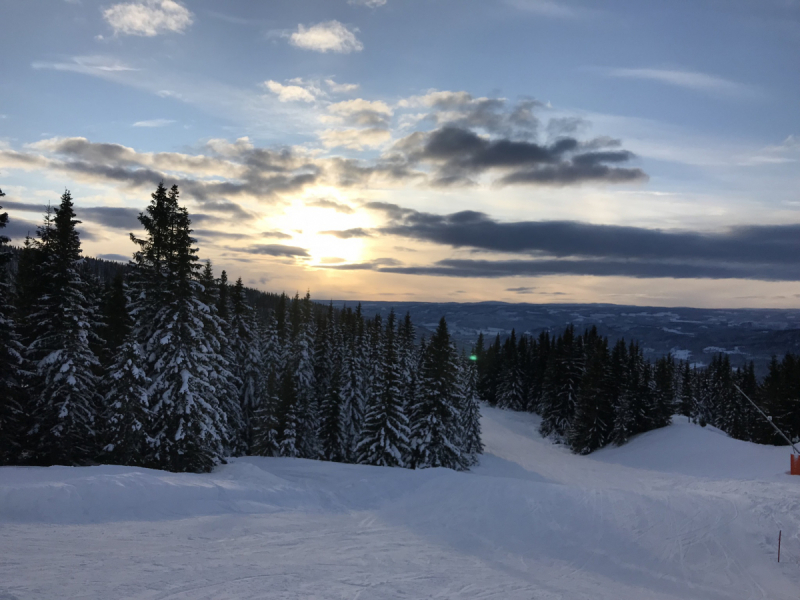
{"x": 289, "y": 417}
{"x": 664, "y": 391}
{"x": 64, "y": 389}
{"x": 333, "y": 441}
{"x": 353, "y": 372}
{"x": 181, "y": 339}
{"x": 246, "y": 355}
{"x": 435, "y": 417}
{"x": 510, "y": 391}
{"x": 265, "y": 424}
{"x": 409, "y": 373}
{"x": 226, "y": 382}
{"x": 302, "y": 364}
{"x": 384, "y": 438}
{"x": 12, "y": 402}
{"x": 592, "y": 423}
{"x": 630, "y": 416}
{"x": 470, "y": 425}
{"x": 127, "y": 408}
{"x": 561, "y": 385}
{"x": 687, "y": 401}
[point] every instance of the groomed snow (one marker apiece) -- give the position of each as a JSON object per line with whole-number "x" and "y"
{"x": 679, "y": 513}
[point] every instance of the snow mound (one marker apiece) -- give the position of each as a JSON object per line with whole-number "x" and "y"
{"x": 707, "y": 452}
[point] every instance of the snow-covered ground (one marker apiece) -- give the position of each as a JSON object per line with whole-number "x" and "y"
{"x": 682, "y": 512}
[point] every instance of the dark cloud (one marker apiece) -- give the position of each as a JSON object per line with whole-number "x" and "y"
{"x": 346, "y": 234}
{"x": 226, "y": 207}
{"x": 17, "y": 229}
{"x": 110, "y": 216}
{"x": 778, "y": 244}
{"x": 492, "y": 115}
{"x": 24, "y": 206}
{"x": 459, "y": 155}
{"x": 278, "y": 235}
{"x": 521, "y": 290}
{"x": 210, "y": 234}
{"x": 255, "y": 172}
{"x": 373, "y": 265}
{"x": 601, "y": 268}
{"x": 332, "y": 204}
{"x": 761, "y": 252}
{"x": 276, "y": 250}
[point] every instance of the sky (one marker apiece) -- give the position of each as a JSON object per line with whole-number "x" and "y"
{"x": 626, "y": 151}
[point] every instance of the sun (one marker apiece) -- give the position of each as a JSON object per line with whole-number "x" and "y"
{"x": 306, "y": 223}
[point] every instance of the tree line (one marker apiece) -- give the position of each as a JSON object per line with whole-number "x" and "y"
{"x": 164, "y": 365}
{"x": 591, "y": 393}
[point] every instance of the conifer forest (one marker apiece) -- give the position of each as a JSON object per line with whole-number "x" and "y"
{"x": 161, "y": 363}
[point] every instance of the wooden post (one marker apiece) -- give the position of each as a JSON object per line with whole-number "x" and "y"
{"x": 779, "y": 545}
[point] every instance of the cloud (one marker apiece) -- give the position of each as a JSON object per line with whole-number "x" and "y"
{"x": 521, "y": 290}
{"x": 88, "y": 65}
{"x": 547, "y": 8}
{"x": 758, "y": 244}
{"x": 154, "y": 123}
{"x": 110, "y": 216}
{"x": 460, "y": 154}
{"x": 280, "y": 235}
{"x": 492, "y": 115}
{"x": 762, "y": 252}
{"x": 362, "y": 113}
{"x": 327, "y": 203}
{"x": 148, "y": 18}
{"x": 692, "y": 80}
{"x": 600, "y": 268}
{"x": 369, "y": 3}
{"x": 354, "y": 139}
{"x": 289, "y": 93}
{"x": 211, "y": 181}
{"x": 330, "y": 36}
{"x": 341, "y": 88}
{"x": 331, "y": 260}
{"x": 18, "y": 229}
{"x": 372, "y": 265}
{"x": 346, "y": 234}
{"x": 276, "y": 250}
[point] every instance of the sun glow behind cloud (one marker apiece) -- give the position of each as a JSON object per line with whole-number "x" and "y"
{"x": 306, "y": 223}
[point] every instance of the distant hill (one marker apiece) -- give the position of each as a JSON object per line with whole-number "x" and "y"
{"x": 693, "y": 334}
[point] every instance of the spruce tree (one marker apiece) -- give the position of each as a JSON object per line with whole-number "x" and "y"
{"x": 385, "y": 436}
{"x": 510, "y": 391}
{"x": 246, "y": 355}
{"x": 266, "y": 422}
{"x": 64, "y": 390}
{"x": 470, "y": 413}
{"x": 12, "y": 402}
{"x": 592, "y": 423}
{"x": 181, "y": 339}
{"x": 435, "y": 417}
{"x": 127, "y": 408}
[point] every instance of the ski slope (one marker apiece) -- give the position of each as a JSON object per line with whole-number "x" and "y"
{"x": 683, "y": 512}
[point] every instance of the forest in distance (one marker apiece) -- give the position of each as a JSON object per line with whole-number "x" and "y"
{"x": 159, "y": 363}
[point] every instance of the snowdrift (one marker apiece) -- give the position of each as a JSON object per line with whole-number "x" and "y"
{"x": 682, "y": 512}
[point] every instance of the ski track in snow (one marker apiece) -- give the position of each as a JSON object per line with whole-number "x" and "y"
{"x": 682, "y": 512}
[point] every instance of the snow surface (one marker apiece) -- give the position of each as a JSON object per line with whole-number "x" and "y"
{"x": 682, "y": 512}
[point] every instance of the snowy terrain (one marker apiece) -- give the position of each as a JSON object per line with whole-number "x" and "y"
{"x": 682, "y": 512}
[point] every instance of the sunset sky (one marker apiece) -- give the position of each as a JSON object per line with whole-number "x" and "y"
{"x": 623, "y": 152}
